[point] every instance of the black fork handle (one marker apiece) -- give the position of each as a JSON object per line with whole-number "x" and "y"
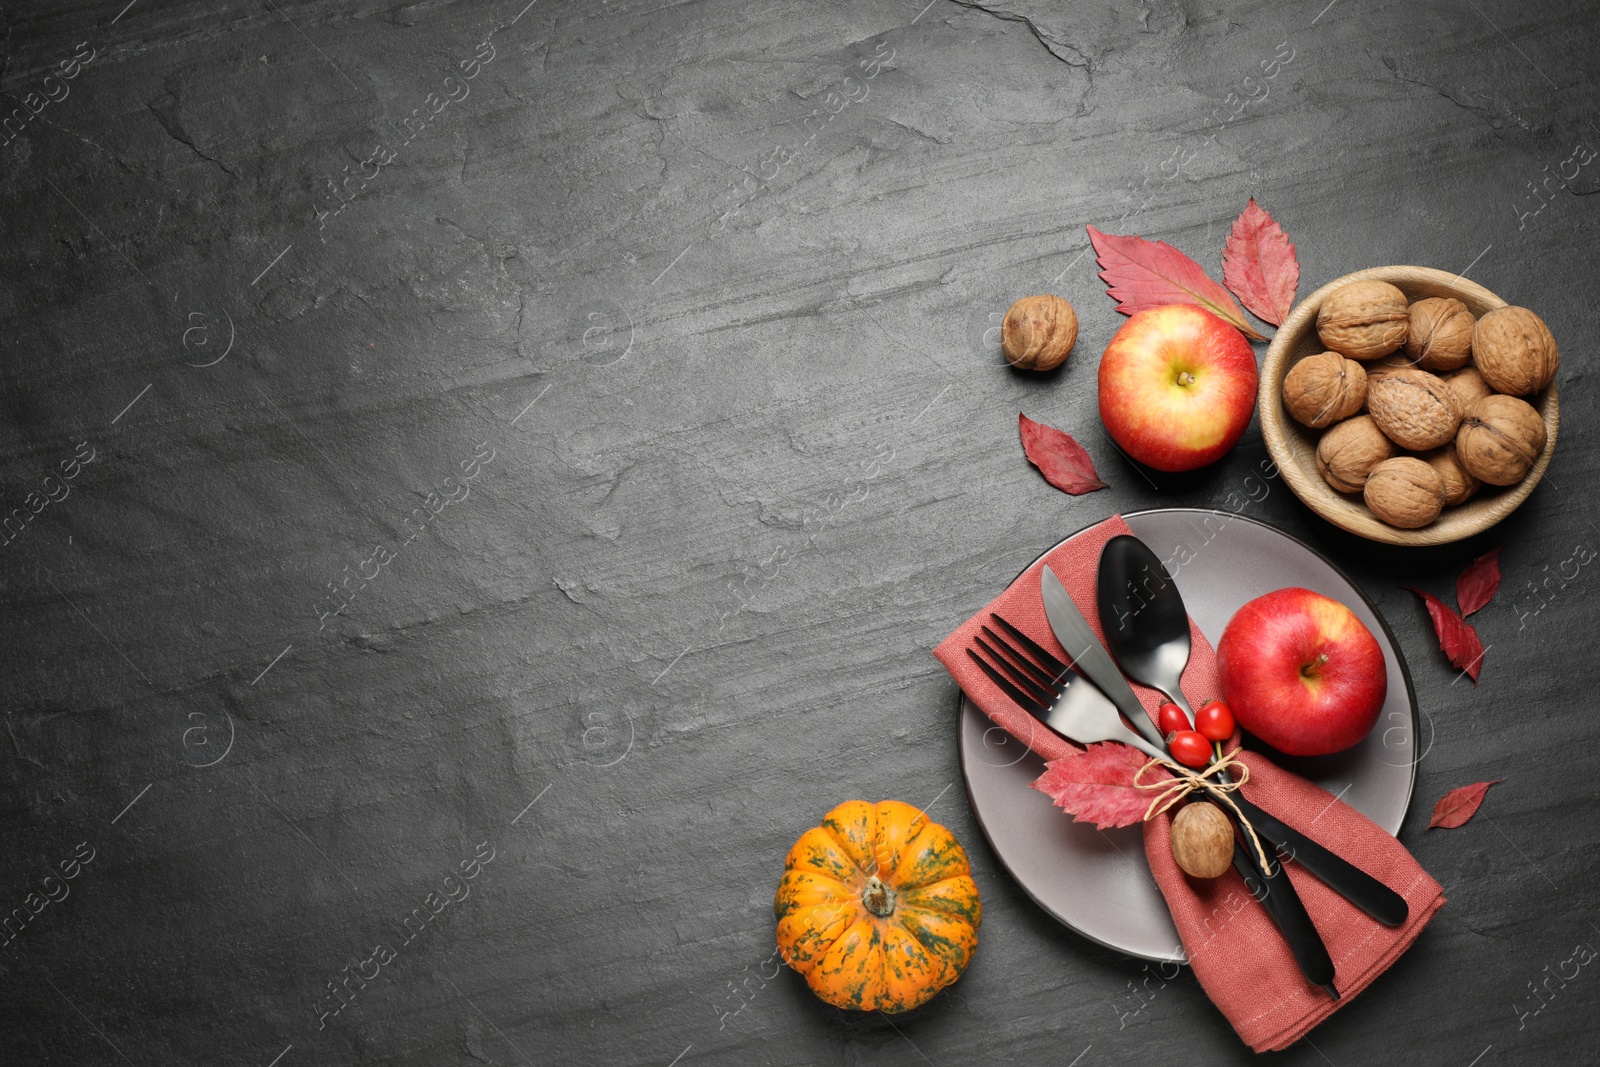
{"x": 1271, "y": 887}
{"x": 1282, "y": 904}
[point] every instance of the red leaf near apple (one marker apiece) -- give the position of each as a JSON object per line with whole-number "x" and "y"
{"x": 1259, "y": 265}
{"x": 1459, "y": 805}
{"x": 1302, "y": 672}
{"x": 1146, "y": 274}
{"x": 1478, "y": 583}
{"x": 1457, "y": 638}
{"x": 1064, "y": 463}
{"x": 1096, "y": 785}
{"x": 1177, "y": 387}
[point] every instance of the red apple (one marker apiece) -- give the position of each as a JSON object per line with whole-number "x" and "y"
{"x": 1177, "y": 387}
{"x": 1301, "y": 672}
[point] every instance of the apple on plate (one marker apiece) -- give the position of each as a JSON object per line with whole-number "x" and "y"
{"x": 1177, "y": 387}
{"x": 1301, "y": 672}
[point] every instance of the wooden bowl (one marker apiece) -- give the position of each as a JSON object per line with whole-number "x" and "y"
{"x": 1294, "y": 447}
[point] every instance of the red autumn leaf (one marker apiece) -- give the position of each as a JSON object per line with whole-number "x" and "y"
{"x": 1457, "y": 639}
{"x": 1061, "y": 460}
{"x": 1145, "y": 274}
{"x": 1096, "y": 785}
{"x": 1478, "y": 583}
{"x": 1259, "y": 265}
{"x": 1459, "y": 805}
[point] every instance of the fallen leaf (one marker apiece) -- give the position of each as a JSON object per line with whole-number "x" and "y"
{"x": 1061, "y": 460}
{"x": 1457, "y": 639}
{"x": 1259, "y": 265}
{"x": 1459, "y": 805}
{"x": 1096, "y": 785}
{"x": 1478, "y": 583}
{"x": 1145, "y": 274}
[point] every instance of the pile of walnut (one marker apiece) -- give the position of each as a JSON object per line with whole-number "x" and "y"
{"x": 1432, "y": 381}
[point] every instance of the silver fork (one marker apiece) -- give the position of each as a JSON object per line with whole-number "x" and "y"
{"x": 1053, "y": 692}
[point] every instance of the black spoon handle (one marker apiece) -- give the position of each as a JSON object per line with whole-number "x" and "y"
{"x": 1336, "y": 872}
{"x": 1288, "y": 914}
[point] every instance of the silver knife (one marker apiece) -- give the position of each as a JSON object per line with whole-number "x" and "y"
{"x": 1086, "y": 652}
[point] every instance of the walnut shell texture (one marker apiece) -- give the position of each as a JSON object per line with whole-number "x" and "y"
{"x": 1377, "y": 368}
{"x": 1038, "y": 332}
{"x": 1405, "y": 492}
{"x": 1323, "y": 389}
{"x": 1459, "y": 485}
{"x": 1364, "y": 320}
{"x": 1500, "y": 438}
{"x": 1415, "y": 409}
{"x": 1467, "y": 384}
{"x": 1202, "y": 840}
{"x": 1349, "y": 450}
{"x": 1514, "y": 351}
{"x": 1440, "y": 333}
{"x": 1396, "y": 360}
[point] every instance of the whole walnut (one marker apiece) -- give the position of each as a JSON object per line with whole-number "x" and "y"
{"x": 1364, "y": 320}
{"x": 1440, "y": 334}
{"x": 1500, "y": 438}
{"x": 1405, "y": 492}
{"x": 1038, "y": 332}
{"x": 1321, "y": 390}
{"x": 1467, "y": 384}
{"x": 1514, "y": 351}
{"x": 1414, "y": 408}
{"x": 1349, "y": 450}
{"x": 1202, "y": 840}
{"x": 1458, "y": 484}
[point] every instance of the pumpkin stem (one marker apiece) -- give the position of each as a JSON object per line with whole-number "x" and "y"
{"x": 878, "y": 898}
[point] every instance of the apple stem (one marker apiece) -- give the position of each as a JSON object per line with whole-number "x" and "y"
{"x": 1311, "y": 668}
{"x": 1185, "y": 378}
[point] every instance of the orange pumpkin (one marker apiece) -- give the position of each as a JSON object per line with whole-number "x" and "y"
{"x": 877, "y": 908}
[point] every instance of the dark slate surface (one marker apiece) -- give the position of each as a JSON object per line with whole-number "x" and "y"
{"x": 708, "y": 285}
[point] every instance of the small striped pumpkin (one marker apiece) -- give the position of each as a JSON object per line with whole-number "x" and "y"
{"x": 877, "y": 908}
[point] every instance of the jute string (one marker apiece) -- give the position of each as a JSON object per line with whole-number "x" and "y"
{"x": 1186, "y": 780}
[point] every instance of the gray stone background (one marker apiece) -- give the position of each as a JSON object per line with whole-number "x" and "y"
{"x": 539, "y": 445}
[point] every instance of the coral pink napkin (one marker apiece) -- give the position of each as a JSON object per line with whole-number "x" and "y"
{"x": 1238, "y": 955}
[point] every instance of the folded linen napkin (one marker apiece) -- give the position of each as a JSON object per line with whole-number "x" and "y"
{"x": 1238, "y": 955}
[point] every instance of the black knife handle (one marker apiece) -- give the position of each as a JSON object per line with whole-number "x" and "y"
{"x": 1288, "y": 914}
{"x": 1336, "y": 872}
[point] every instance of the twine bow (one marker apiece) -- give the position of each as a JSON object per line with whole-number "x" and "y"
{"x": 1187, "y": 780}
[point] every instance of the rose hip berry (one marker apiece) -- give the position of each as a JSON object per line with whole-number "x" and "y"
{"x": 1190, "y": 749}
{"x": 1214, "y": 721}
{"x": 1170, "y": 719}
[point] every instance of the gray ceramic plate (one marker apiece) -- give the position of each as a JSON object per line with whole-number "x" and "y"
{"x": 1098, "y": 882}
